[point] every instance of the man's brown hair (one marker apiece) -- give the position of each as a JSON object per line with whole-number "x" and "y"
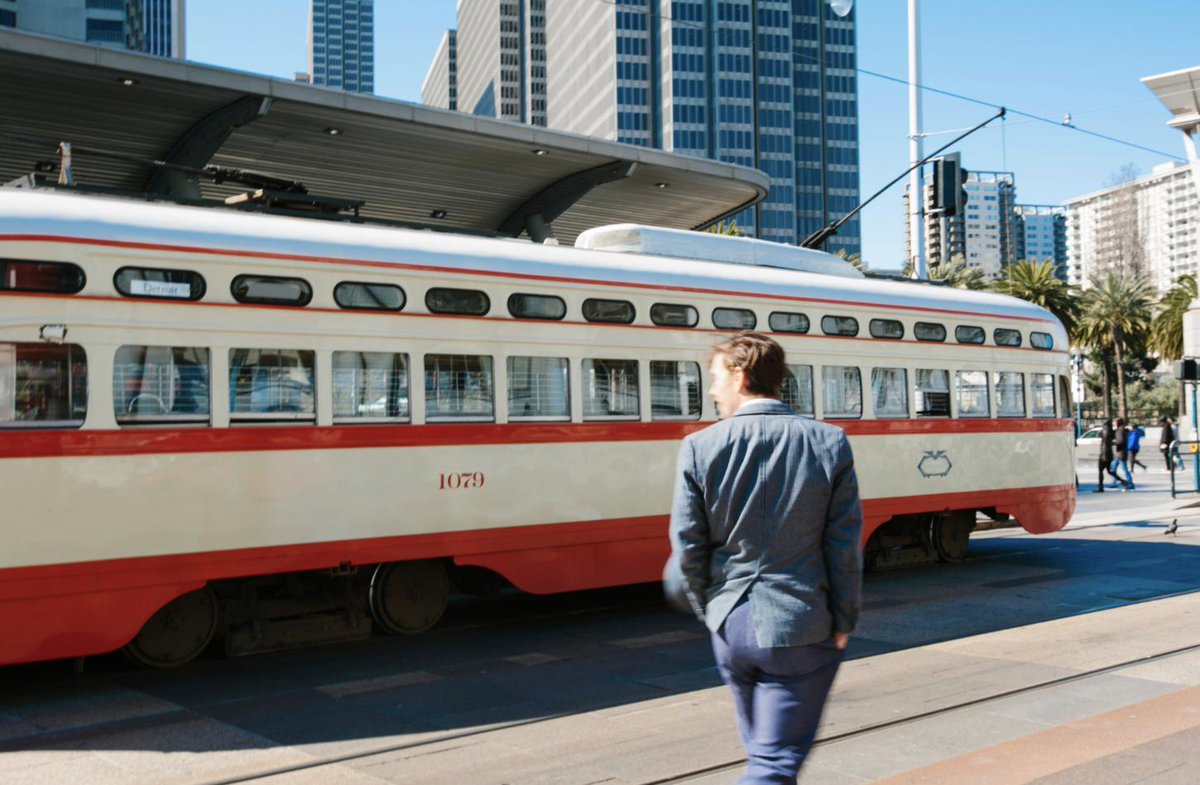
{"x": 760, "y": 358}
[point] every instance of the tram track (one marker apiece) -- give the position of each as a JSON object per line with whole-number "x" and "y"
{"x": 441, "y": 742}
{"x": 430, "y": 745}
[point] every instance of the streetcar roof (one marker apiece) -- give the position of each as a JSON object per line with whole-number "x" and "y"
{"x": 28, "y": 215}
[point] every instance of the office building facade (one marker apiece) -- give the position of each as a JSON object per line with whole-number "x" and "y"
{"x": 152, "y": 26}
{"x": 440, "y": 88}
{"x": 769, "y": 84}
{"x": 498, "y": 53}
{"x": 341, "y": 44}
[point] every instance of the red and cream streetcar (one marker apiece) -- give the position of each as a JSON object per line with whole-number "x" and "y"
{"x": 280, "y": 430}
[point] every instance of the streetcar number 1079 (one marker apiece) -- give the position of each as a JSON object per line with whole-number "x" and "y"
{"x": 452, "y": 481}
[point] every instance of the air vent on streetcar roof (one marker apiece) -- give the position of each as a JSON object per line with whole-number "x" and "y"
{"x": 683, "y": 244}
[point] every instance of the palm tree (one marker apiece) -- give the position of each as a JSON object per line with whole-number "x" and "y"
{"x": 1115, "y": 310}
{"x": 1166, "y": 332}
{"x": 1035, "y": 282}
{"x": 954, "y": 273}
{"x": 855, "y": 260}
{"x": 730, "y": 229}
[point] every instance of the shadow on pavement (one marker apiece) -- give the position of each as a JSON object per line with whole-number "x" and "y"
{"x": 525, "y": 658}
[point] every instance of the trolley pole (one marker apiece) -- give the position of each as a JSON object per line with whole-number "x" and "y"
{"x": 916, "y": 195}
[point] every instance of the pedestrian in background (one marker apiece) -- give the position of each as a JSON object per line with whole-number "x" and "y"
{"x": 1105, "y": 460}
{"x": 1166, "y": 443}
{"x": 1120, "y": 462}
{"x": 1134, "y": 445}
{"x": 765, "y": 534}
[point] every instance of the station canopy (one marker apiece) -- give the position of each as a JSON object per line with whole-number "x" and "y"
{"x": 177, "y": 130}
{"x": 1179, "y": 92}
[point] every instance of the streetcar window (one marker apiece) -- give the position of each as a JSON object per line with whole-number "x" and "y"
{"x": 971, "y": 391}
{"x": 1010, "y": 394}
{"x": 464, "y": 302}
{"x": 839, "y": 325}
{"x": 929, "y": 331}
{"x": 271, "y": 384}
{"x": 734, "y": 319}
{"x": 966, "y": 334}
{"x": 23, "y": 276}
{"x": 889, "y": 391}
{"x": 841, "y": 390}
{"x": 1042, "y": 387}
{"x": 886, "y": 328}
{"x": 270, "y": 290}
{"x": 1041, "y": 340}
{"x": 42, "y": 385}
{"x": 784, "y": 322}
{"x": 458, "y": 387}
{"x": 1064, "y": 396}
{"x": 159, "y": 284}
{"x": 674, "y": 390}
{"x": 369, "y": 296}
{"x": 797, "y": 390}
{"x": 615, "y": 311}
{"x": 160, "y": 384}
{"x": 610, "y": 389}
{"x": 932, "y": 391}
{"x": 536, "y": 306}
{"x": 370, "y": 386}
{"x": 668, "y": 315}
{"x": 1006, "y": 337}
{"x": 538, "y": 388}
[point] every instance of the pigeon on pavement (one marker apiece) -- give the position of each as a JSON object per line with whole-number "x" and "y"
{"x": 1172, "y": 527}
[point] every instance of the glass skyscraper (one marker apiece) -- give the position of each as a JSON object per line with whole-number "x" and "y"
{"x": 152, "y": 26}
{"x": 764, "y": 83}
{"x": 341, "y": 44}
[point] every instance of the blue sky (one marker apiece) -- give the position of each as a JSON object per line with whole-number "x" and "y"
{"x": 1045, "y": 57}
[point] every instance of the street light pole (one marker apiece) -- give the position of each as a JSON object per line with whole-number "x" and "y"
{"x": 916, "y": 196}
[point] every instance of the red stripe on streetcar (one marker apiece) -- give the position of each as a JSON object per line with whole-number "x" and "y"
{"x": 69, "y": 610}
{"x": 21, "y": 443}
{"x": 489, "y": 274}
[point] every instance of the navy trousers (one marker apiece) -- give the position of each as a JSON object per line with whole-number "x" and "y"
{"x": 778, "y": 694}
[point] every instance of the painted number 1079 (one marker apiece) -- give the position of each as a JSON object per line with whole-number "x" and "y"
{"x": 453, "y": 481}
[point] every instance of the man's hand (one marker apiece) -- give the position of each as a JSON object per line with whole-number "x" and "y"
{"x": 841, "y": 640}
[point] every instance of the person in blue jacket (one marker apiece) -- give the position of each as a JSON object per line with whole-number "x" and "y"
{"x": 1134, "y": 445}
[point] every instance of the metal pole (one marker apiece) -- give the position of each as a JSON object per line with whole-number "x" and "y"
{"x": 916, "y": 194}
{"x": 1195, "y": 436}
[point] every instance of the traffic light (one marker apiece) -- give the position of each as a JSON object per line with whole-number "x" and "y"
{"x": 949, "y": 195}
{"x": 1186, "y": 370}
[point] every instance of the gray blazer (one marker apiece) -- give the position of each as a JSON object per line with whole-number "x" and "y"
{"x": 766, "y": 502}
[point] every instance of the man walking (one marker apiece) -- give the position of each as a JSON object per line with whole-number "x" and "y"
{"x": 765, "y": 528}
{"x": 1121, "y": 454}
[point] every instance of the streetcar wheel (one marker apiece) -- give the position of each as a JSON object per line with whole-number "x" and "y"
{"x": 951, "y": 534}
{"x": 409, "y": 597}
{"x": 177, "y": 633}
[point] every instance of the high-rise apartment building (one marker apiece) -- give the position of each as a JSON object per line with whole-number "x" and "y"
{"x": 764, "y": 83}
{"x": 152, "y": 26}
{"x": 1041, "y": 235}
{"x": 984, "y": 233}
{"x": 1151, "y": 224}
{"x": 341, "y": 44}
{"x": 1148, "y": 226}
{"x": 499, "y": 53}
